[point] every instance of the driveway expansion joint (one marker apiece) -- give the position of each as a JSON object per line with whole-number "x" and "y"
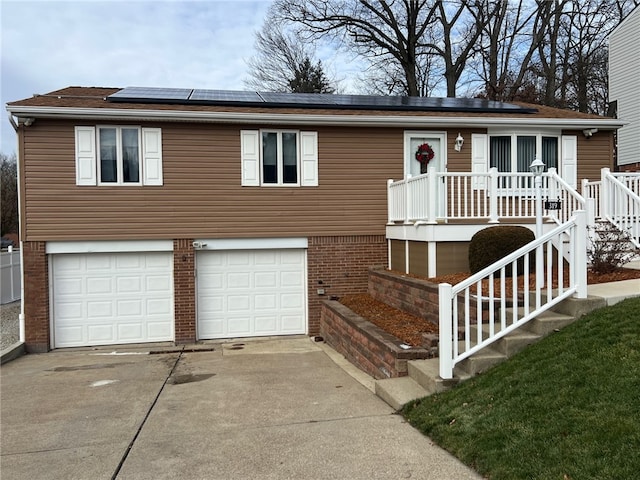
{"x": 144, "y": 420}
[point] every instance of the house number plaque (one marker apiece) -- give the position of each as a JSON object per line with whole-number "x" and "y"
{"x": 553, "y": 205}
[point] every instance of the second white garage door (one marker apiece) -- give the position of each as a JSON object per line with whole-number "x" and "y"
{"x": 247, "y": 293}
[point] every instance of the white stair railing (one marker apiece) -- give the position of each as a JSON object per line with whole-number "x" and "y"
{"x": 477, "y": 302}
{"x": 620, "y": 202}
{"x": 570, "y": 200}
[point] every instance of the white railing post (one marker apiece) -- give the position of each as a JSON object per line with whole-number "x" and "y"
{"x": 581, "y": 254}
{"x": 553, "y": 193}
{"x": 493, "y": 195}
{"x": 432, "y": 186}
{"x": 445, "y": 342}
{"x": 407, "y": 198}
{"x": 591, "y": 211}
{"x": 390, "y": 202}
{"x": 604, "y": 194}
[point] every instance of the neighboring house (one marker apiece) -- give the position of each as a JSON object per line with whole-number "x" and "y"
{"x": 154, "y": 215}
{"x": 624, "y": 68}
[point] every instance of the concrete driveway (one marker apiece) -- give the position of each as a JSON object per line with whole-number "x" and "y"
{"x": 268, "y": 409}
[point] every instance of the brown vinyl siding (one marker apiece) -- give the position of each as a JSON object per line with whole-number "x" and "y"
{"x": 397, "y": 255}
{"x": 594, "y": 154}
{"x": 418, "y": 258}
{"x": 452, "y": 257}
{"x": 202, "y": 195}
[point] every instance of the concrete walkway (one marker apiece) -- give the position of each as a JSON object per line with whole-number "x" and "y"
{"x": 267, "y": 409}
{"x": 615, "y": 292}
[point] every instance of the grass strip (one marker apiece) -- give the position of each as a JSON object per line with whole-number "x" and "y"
{"x": 567, "y": 408}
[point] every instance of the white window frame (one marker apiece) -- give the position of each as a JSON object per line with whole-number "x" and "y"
{"x": 119, "y": 156}
{"x": 514, "y": 134}
{"x": 280, "y": 159}
{"x": 87, "y": 156}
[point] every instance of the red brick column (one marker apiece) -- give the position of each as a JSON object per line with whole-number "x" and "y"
{"x": 184, "y": 287}
{"x": 342, "y": 264}
{"x": 36, "y": 297}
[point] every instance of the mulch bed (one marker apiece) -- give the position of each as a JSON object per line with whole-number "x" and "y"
{"x": 409, "y": 328}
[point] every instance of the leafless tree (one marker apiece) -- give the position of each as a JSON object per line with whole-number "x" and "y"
{"x": 283, "y": 63}
{"x": 9, "y": 193}
{"x": 512, "y": 35}
{"x": 381, "y": 31}
{"x": 545, "y": 51}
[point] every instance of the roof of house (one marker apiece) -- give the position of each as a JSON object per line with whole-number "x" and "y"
{"x": 252, "y": 107}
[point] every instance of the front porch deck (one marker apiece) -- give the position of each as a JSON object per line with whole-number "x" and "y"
{"x": 445, "y": 206}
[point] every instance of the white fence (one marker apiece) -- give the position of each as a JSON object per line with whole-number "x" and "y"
{"x": 10, "y": 276}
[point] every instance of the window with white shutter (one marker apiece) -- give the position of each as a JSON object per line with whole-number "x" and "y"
{"x": 285, "y": 158}
{"x": 118, "y": 155}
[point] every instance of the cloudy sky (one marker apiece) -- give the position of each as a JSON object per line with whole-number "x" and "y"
{"x": 51, "y": 44}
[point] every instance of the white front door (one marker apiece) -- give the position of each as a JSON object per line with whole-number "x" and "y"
{"x": 437, "y": 141}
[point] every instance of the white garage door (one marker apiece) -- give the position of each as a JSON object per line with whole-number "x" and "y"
{"x": 246, "y": 293}
{"x": 112, "y": 298}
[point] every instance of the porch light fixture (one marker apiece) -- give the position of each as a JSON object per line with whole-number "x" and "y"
{"x": 459, "y": 142}
{"x": 537, "y": 167}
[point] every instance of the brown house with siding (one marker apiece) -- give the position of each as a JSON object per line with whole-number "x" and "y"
{"x": 153, "y": 215}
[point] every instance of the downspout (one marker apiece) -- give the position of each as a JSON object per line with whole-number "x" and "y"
{"x": 21, "y": 315}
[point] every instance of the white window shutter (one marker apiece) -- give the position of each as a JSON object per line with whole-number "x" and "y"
{"x": 86, "y": 156}
{"x": 309, "y": 159}
{"x": 569, "y": 157}
{"x": 479, "y": 159}
{"x": 250, "y": 154}
{"x": 152, "y": 156}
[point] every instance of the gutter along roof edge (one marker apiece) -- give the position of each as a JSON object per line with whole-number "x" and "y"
{"x": 308, "y": 119}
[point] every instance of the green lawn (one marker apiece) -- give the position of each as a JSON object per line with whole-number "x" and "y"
{"x": 565, "y": 408}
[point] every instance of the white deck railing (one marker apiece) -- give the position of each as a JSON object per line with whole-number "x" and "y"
{"x": 473, "y": 313}
{"x": 487, "y": 197}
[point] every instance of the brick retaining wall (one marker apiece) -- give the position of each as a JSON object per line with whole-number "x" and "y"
{"x": 370, "y": 348}
{"x": 415, "y": 296}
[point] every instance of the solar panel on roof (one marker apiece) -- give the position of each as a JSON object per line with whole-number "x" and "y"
{"x": 185, "y": 96}
{"x": 298, "y": 98}
{"x": 224, "y": 96}
{"x": 144, "y": 93}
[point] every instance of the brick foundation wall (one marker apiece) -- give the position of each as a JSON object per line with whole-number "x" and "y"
{"x": 370, "y": 348}
{"x": 631, "y": 167}
{"x": 340, "y": 265}
{"x": 184, "y": 291}
{"x": 36, "y": 297}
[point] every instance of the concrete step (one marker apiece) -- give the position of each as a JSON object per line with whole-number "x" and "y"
{"x": 398, "y": 391}
{"x": 573, "y": 307}
{"x": 548, "y": 322}
{"x": 479, "y": 362}
{"x": 427, "y": 374}
{"x": 510, "y": 344}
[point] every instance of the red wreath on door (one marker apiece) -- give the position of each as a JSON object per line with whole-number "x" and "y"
{"x": 424, "y": 155}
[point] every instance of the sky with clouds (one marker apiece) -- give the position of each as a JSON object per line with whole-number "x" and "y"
{"x": 51, "y": 44}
